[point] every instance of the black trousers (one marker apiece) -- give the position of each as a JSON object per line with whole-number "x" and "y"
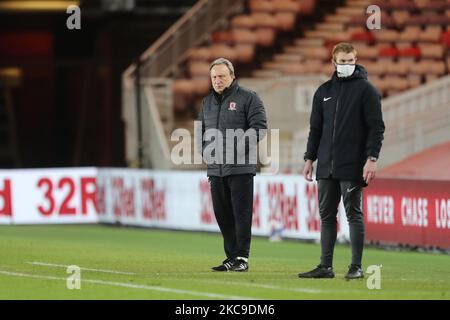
{"x": 232, "y": 198}
{"x": 330, "y": 192}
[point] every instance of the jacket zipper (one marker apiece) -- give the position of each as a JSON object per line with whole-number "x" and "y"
{"x": 217, "y": 127}
{"x": 334, "y": 132}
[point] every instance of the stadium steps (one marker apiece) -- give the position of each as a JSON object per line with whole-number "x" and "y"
{"x": 407, "y": 34}
{"x": 189, "y": 89}
{"x": 269, "y": 38}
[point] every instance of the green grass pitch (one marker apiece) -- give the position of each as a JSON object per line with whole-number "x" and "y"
{"x": 127, "y": 263}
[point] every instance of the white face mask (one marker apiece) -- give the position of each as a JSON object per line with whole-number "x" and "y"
{"x": 345, "y": 70}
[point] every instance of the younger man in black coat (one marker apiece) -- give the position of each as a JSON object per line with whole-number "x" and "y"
{"x": 346, "y": 133}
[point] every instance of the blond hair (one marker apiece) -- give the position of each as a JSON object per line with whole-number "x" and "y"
{"x": 343, "y": 47}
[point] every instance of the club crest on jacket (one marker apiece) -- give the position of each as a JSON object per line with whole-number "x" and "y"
{"x": 232, "y": 106}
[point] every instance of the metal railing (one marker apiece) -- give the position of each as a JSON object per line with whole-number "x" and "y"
{"x": 142, "y": 108}
{"x": 193, "y": 28}
{"x": 415, "y": 120}
{"x": 155, "y": 147}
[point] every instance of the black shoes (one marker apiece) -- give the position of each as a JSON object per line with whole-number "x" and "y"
{"x": 318, "y": 273}
{"x": 354, "y": 272}
{"x": 226, "y": 265}
{"x": 238, "y": 265}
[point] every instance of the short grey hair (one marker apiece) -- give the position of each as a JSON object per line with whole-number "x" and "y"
{"x": 223, "y": 61}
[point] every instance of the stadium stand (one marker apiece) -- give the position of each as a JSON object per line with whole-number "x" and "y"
{"x": 410, "y": 49}
{"x": 294, "y": 38}
{"x": 413, "y": 167}
{"x": 258, "y": 26}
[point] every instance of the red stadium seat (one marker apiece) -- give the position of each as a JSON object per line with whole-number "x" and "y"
{"x": 400, "y": 5}
{"x": 386, "y": 35}
{"x": 422, "y": 67}
{"x": 445, "y": 39}
{"x": 261, "y": 6}
{"x": 367, "y": 52}
{"x": 243, "y": 21}
{"x": 390, "y": 52}
{"x": 431, "y": 77}
{"x": 294, "y": 69}
{"x": 379, "y": 83}
{"x": 275, "y": 65}
{"x": 313, "y": 66}
{"x": 359, "y": 20}
{"x": 438, "y": 68}
{"x": 222, "y": 50}
{"x": 244, "y": 52}
{"x": 310, "y": 42}
{"x": 410, "y": 52}
{"x": 182, "y": 86}
{"x": 429, "y": 50}
{"x": 363, "y": 36}
{"x": 414, "y": 80}
{"x": 307, "y": 6}
{"x": 396, "y": 68}
{"x": 434, "y": 6}
{"x": 400, "y": 17}
{"x": 410, "y": 33}
{"x": 441, "y": 20}
{"x": 286, "y": 57}
{"x": 263, "y": 74}
{"x": 418, "y": 20}
{"x": 376, "y": 68}
{"x": 222, "y": 37}
{"x": 285, "y": 20}
{"x": 243, "y": 36}
{"x": 265, "y": 36}
{"x": 431, "y": 34}
{"x": 397, "y": 83}
{"x": 286, "y": 6}
{"x": 264, "y": 20}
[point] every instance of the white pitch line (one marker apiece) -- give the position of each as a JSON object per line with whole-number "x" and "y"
{"x": 267, "y": 286}
{"x": 318, "y": 291}
{"x": 45, "y": 264}
{"x": 132, "y": 286}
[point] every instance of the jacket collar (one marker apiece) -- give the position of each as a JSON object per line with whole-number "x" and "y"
{"x": 359, "y": 73}
{"x": 226, "y": 92}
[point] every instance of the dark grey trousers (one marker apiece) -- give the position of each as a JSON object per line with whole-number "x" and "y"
{"x": 330, "y": 192}
{"x": 232, "y": 198}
